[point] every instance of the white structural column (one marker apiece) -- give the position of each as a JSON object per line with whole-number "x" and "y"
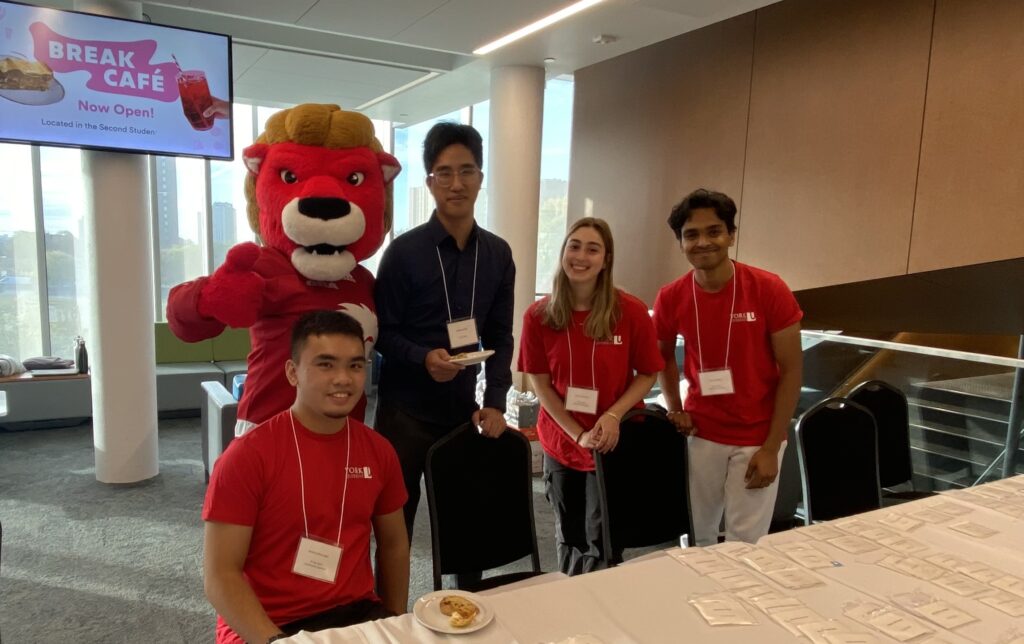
{"x": 119, "y": 234}
{"x": 513, "y": 183}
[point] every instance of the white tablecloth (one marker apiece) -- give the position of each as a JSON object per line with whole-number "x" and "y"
{"x": 649, "y": 601}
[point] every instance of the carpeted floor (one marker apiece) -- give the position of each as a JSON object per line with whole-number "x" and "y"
{"x": 86, "y": 562}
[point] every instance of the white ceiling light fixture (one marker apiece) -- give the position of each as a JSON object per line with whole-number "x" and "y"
{"x": 557, "y": 16}
{"x": 398, "y": 90}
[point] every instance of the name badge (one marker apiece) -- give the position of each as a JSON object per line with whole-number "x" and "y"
{"x": 716, "y": 382}
{"x": 317, "y": 560}
{"x": 582, "y": 400}
{"x": 462, "y": 333}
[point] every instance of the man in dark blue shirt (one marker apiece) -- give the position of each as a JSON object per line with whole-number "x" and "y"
{"x": 442, "y": 288}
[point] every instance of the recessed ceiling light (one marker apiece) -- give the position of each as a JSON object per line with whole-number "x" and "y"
{"x": 549, "y": 60}
{"x": 557, "y": 16}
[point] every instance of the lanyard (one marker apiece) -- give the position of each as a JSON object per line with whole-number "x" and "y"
{"x": 593, "y": 353}
{"x": 444, "y": 280}
{"x": 732, "y": 309}
{"x": 302, "y": 480}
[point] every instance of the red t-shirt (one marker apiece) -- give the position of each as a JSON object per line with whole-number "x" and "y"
{"x": 256, "y": 483}
{"x": 764, "y": 305}
{"x": 286, "y": 297}
{"x": 545, "y": 350}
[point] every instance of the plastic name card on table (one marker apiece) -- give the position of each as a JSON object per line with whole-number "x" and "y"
{"x": 585, "y": 638}
{"x": 888, "y": 620}
{"x": 722, "y": 609}
{"x": 934, "y": 610}
{"x": 791, "y": 618}
{"x": 900, "y": 522}
{"x": 703, "y": 562}
{"x": 975, "y": 530}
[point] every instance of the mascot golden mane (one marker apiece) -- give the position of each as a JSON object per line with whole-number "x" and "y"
{"x": 319, "y": 199}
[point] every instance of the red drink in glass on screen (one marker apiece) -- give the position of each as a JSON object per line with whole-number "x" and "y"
{"x": 195, "y": 98}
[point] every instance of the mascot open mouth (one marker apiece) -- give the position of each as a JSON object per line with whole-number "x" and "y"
{"x": 323, "y": 262}
{"x": 324, "y": 249}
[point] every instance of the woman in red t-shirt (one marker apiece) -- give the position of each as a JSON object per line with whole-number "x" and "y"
{"x": 580, "y": 347}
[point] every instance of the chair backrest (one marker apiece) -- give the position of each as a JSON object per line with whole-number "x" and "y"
{"x": 644, "y": 485}
{"x": 889, "y": 407}
{"x": 480, "y": 497}
{"x": 838, "y": 450}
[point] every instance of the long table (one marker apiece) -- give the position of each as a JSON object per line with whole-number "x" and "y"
{"x": 947, "y": 569}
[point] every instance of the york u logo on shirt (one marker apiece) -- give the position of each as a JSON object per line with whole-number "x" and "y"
{"x": 360, "y": 472}
{"x": 616, "y": 339}
{"x": 749, "y": 316}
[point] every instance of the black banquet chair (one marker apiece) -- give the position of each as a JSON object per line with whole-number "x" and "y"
{"x": 644, "y": 485}
{"x": 480, "y": 497}
{"x": 889, "y": 407}
{"x": 837, "y": 445}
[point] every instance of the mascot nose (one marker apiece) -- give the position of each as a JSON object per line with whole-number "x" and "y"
{"x": 325, "y": 208}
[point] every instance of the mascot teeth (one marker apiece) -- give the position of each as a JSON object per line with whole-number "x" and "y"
{"x": 324, "y": 249}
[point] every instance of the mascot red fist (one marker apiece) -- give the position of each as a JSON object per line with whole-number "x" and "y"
{"x": 319, "y": 198}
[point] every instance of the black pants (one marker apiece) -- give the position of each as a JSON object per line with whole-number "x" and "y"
{"x": 575, "y": 499}
{"x": 365, "y": 610}
{"x": 412, "y": 438}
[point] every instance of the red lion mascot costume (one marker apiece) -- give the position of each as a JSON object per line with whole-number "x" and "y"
{"x": 319, "y": 199}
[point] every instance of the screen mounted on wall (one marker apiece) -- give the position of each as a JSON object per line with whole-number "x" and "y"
{"x": 88, "y": 81}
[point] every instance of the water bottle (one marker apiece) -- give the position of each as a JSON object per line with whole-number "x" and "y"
{"x": 81, "y": 355}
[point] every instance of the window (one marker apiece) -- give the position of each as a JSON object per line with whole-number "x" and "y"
{"x": 180, "y": 228}
{"x": 228, "y": 218}
{"x": 68, "y": 286}
{"x": 20, "y": 319}
{"x": 554, "y": 182}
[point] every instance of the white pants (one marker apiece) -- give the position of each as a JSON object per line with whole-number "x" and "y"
{"x": 717, "y": 485}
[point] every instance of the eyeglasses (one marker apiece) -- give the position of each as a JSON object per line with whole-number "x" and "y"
{"x": 446, "y": 177}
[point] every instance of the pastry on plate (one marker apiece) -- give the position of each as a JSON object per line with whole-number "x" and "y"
{"x": 16, "y": 73}
{"x": 461, "y": 611}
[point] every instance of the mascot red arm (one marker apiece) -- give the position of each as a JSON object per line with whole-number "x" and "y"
{"x": 319, "y": 199}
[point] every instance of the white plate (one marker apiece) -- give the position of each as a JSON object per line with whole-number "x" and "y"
{"x": 475, "y": 357}
{"x": 53, "y": 94}
{"x": 427, "y": 610}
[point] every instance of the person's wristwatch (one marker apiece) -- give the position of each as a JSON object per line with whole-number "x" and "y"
{"x": 274, "y": 638}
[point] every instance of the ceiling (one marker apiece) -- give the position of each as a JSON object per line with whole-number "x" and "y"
{"x": 410, "y": 60}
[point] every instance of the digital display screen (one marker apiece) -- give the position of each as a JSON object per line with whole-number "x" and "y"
{"x": 81, "y": 80}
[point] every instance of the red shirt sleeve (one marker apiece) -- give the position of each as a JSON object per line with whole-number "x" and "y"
{"x": 665, "y": 326}
{"x": 532, "y": 357}
{"x": 392, "y": 495}
{"x": 784, "y": 311}
{"x": 235, "y": 486}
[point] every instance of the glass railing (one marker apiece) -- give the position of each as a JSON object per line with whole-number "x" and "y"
{"x": 960, "y": 403}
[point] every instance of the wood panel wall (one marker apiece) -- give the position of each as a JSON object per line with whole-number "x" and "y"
{"x": 861, "y": 139}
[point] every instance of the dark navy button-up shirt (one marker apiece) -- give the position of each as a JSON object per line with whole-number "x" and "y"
{"x": 413, "y": 316}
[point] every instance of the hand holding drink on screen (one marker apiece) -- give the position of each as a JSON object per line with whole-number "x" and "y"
{"x": 199, "y": 106}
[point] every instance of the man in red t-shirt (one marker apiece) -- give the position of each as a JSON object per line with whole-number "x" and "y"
{"x": 289, "y": 508}
{"x": 743, "y": 364}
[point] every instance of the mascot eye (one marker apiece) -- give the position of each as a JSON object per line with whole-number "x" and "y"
{"x": 288, "y": 176}
{"x": 356, "y": 178}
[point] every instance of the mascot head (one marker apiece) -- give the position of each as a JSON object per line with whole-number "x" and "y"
{"x": 319, "y": 189}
